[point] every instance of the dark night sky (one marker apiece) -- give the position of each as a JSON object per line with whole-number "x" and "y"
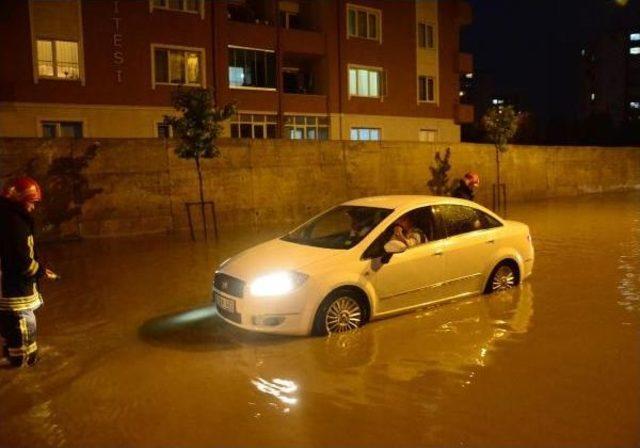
{"x": 531, "y": 47}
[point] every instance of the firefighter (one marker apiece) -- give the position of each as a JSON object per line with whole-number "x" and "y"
{"x": 19, "y": 271}
{"x": 466, "y": 187}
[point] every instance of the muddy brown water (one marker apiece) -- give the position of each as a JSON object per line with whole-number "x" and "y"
{"x": 134, "y": 356}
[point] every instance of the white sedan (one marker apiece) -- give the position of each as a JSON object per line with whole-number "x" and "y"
{"x": 370, "y": 258}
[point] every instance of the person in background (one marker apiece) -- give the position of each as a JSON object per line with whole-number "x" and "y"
{"x": 467, "y": 186}
{"x": 19, "y": 271}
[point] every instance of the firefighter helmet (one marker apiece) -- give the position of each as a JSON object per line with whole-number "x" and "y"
{"x": 22, "y": 189}
{"x": 472, "y": 179}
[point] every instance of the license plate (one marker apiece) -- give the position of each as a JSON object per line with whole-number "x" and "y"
{"x": 226, "y": 304}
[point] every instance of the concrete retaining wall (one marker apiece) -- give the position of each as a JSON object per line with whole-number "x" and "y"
{"x": 273, "y": 181}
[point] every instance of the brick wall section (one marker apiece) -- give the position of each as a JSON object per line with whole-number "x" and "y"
{"x": 269, "y": 182}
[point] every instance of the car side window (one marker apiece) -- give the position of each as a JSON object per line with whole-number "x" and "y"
{"x": 459, "y": 219}
{"x": 488, "y": 221}
{"x": 424, "y": 221}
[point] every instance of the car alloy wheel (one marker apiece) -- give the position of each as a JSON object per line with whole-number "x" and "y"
{"x": 343, "y": 314}
{"x": 503, "y": 278}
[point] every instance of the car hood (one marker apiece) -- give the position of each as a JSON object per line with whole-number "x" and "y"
{"x": 274, "y": 255}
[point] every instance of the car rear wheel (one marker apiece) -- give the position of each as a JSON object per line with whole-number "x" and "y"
{"x": 504, "y": 276}
{"x": 340, "y": 312}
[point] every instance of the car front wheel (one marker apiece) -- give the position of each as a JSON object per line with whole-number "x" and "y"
{"x": 504, "y": 276}
{"x": 341, "y": 311}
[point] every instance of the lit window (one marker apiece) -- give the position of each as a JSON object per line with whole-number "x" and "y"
{"x": 497, "y": 101}
{"x": 363, "y": 22}
{"x": 365, "y": 82}
{"x": 428, "y": 135}
{"x": 365, "y": 134}
{"x": 634, "y": 104}
{"x": 254, "y": 126}
{"x": 593, "y": 96}
{"x": 58, "y": 59}
{"x": 252, "y": 68}
{"x": 634, "y": 37}
{"x": 634, "y": 50}
{"x": 177, "y": 5}
{"x": 300, "y": 127}
{"x": 426, "y": 89}
{"x": 468, "y": 75}
{"x": 173, "y": 66}
{"x": 425, "y": 35}
{"x": 64, "y": 129}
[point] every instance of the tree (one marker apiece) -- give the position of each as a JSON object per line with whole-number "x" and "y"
{"x": 198, "y": 127}
{"x": 439, "y": 182}
{"x": 500, "y": 124}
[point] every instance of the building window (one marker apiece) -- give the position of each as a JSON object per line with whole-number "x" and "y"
{"x": 428, "y": 135}
{"x": 634, "y": 105}
{"x": 363, "y": 22}
{"x": 252, "y": 68}
{"x": 365, "y": 82}
{"x": 365, "y": 134}
{"x": 497, "y": 101}
{"x": 634, "y": 37}
{"x": 177, "y": 5}
{"x": 426, "y": 89}
{"x": 425, "y": 35}
{"x": 254, "y": 126}
{"x": 66, "y": 129}
{"x": 301, "y": 127}
{"x": 178, "y": 66}
{"x": 164, "y": 130}
{"x": 634, "y": 50}
{"x": 58, "y": 59}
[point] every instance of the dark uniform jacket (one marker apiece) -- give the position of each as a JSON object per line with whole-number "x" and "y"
{"x": 19, "y": 268}
{"x": 463, "y": 191}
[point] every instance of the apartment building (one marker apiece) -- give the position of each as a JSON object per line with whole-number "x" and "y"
{"x": 610, "y": 76}
{"x": 297, "y": 69}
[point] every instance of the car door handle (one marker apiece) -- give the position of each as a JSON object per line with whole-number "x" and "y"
{"x": 438, "y": 253}
{"x": 491, "y": 241}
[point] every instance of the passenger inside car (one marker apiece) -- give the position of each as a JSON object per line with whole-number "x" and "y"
{"x": 406, "y": 231}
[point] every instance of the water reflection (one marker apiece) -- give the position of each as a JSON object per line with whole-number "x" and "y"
{"x": 283, "y": 390}
{"x": 629, "y": 266}
{"x": 447, "y": 337}
{"x": 133, "y": 355}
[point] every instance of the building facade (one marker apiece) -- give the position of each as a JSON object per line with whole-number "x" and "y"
{"x": 610, "y": 72}
{"x": 299, "y": 69}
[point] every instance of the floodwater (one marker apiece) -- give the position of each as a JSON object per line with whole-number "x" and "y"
{"x": 134, "y": 356}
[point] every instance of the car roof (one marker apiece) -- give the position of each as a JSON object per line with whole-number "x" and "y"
{"x": 402, "y": 201}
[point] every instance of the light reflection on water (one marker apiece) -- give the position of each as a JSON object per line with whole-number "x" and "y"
{"x": 134, "y": 355}
{"x": 629, "y": 265}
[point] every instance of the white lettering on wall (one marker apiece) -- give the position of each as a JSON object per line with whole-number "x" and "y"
{"x": 118, "y": 53}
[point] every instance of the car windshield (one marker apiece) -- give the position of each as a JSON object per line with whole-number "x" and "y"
{"x": 341, "y": 227}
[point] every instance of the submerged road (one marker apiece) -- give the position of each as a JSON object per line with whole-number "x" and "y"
{"x": 133, "y": 355}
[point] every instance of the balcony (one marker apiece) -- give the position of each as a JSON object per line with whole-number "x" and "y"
{"x": 464, "y": 113}
{"x": 303, "y": 42}
{"x": 251, "y": 35}
{"x": 465, "y": 63}
{"x": 305, "y": 103}
{"x": 250, "y": 11}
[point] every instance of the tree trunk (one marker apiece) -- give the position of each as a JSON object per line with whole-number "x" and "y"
{"x": 201, "y": 188}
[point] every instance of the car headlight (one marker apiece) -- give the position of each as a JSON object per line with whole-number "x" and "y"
{"x": 277, "y": 283}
